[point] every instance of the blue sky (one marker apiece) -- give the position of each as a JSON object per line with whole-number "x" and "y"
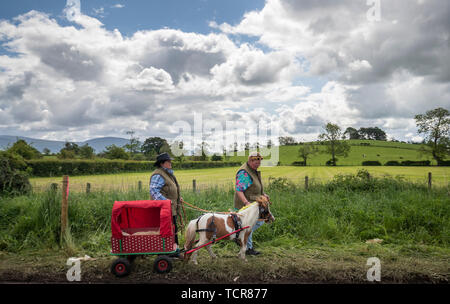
{"x": 300, "y": 64}
{"x": 189, "y": 16}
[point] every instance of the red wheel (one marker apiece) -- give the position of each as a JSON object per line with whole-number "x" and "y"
{"x": 162, "y": 264}
{"x": 121, "y": 267}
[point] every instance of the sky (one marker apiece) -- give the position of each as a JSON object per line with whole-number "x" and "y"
{"x": 81, "y": 69}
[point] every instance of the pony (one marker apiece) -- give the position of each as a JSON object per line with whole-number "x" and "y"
{"x": 210, "y": 225}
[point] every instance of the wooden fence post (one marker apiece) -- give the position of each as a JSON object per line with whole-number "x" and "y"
{"x": 194, "y": 185}
{"x": 88, "y": 188}
{"x": 306, "y": 182}
{"x": 429, "y": 180}
{"x": 64, "y": 206}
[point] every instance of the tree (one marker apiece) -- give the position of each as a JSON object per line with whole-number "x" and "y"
{"x": 435, "y": 124}
{"x": 13, "y": 174}
{"x": 216, "y": 157}
{"x": 86, "y": 152}
{"x": 70, "y": 150}
{"x": 307, "y": 150}
{"x": 373, "y": 133}
{"x": 247, "y": 146}
{"x": 177, "y": 150}
{"x": 352, "y": 133}
{"x": 333, "y": 145}
{"x": 286, "y": 140}
{"x": 114, "y": 152}
{"x": 22, "y": 148}
{"x": 152, "y": 146}
{"x": 66, "y": 154}
{"x": 134, "y": 145}
{"x": 203, "y": 149}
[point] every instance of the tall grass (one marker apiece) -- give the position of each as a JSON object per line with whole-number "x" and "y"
{"x": 348, "y": 209}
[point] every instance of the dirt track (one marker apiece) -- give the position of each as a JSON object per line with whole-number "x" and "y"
{"x": 225, "y": 270}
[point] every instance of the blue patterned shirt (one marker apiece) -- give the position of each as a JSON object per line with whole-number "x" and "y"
{"x": 243, "y": 181}
{"x": 156, "y": 183}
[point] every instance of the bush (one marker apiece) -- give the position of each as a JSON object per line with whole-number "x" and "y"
{"x": 392, "y": 163}
{"x": 444, "y": 163}
{"x": 298, "y": 163}
{"x": 371, "y": 163}
{"x": 362, "y": 181}
{"x": 13, "y": 174}
{"x": 415, "y": 163}
{"x": 22, "y": 148}
{"x": 280, "y": 184}
{"x": 216, "y": 157}
{"x": 330, "y": 162}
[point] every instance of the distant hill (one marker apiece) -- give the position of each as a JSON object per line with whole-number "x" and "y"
{"x": 98, "y": 144}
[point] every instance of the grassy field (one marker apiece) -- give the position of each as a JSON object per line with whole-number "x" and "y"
{"x": 361, "y": 150}
{"x": 319, "y": 235}
{"x": 224, "y": 177}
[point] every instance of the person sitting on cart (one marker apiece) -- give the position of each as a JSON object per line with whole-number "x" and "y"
{"x": 164, "y": 186}
{"x": 248, "y": 188}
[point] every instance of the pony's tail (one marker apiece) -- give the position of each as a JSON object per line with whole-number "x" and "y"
{"x": 189, "y": 238}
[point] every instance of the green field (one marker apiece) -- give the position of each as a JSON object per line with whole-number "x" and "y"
{"x": 224, "y": 177}
{"x": 317, "y": 172}
{"x": 376, "y": 150}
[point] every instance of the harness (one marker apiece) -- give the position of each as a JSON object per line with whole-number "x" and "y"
{"x": 236, "y": 221}
{"x": 211, "y": 228}
{"x": 237, "y": 226}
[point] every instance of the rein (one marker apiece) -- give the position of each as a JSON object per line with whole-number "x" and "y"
{"x": 203, "y": 210}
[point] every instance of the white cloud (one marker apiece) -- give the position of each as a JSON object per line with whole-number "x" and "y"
{"x": 74, "y": 78}
{"x": 391, "y": 68}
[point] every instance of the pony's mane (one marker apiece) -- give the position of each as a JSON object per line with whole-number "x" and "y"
{"x": 244, "y": 209}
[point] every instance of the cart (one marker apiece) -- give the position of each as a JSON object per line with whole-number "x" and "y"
{"x": 141, "y": 228}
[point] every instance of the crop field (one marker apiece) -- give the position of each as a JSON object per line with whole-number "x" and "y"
{"x": 224, "y": 177}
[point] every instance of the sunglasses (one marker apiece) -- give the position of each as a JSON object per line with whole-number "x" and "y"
{"x": 256, "y": 158}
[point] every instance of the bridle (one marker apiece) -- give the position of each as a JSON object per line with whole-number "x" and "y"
{"x": 264, "y": 213}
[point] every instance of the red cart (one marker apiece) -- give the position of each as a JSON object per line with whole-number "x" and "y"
{"x": 142, "y": 228}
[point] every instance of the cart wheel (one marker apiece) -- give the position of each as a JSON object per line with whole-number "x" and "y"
{"x": 121, "y": 267}
{"x": 162, "y": 264}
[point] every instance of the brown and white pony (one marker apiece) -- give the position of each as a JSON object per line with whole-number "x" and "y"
{"x": 210, "y": 226}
